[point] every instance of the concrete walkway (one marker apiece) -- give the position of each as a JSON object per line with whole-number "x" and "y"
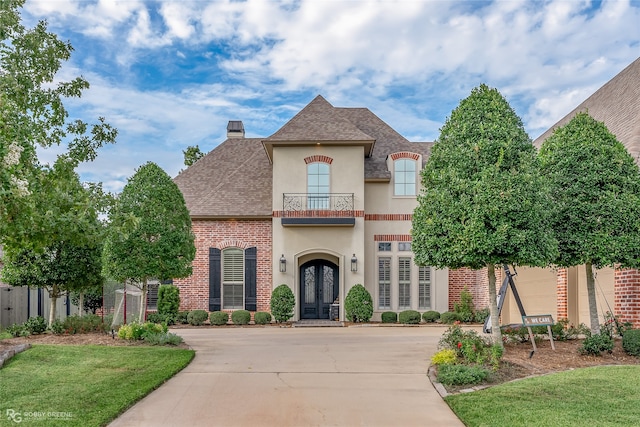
{"x": 356, "y": 376}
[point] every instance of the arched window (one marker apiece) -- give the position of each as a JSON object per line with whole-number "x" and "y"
{"x": 233, "y": 278}
{"x": 317, "y": 186}
{"x": 404, "y": 177}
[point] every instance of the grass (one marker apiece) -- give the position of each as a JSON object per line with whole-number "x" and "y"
{"x": 94, "y": 384}
{"x": 4, "y": 334}
{"x": 602, "y": 396}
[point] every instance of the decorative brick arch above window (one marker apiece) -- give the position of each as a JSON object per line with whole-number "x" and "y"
{"x": 233, "y": 243}
{"x": 318, "y": 158}
{"x": 405, "y": 155}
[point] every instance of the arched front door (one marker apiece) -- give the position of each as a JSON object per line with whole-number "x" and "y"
{"x": 318, "y": 288}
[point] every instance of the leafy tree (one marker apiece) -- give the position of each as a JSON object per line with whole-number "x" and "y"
{"x": 595, "y": 188}
{"x": 65, "y": 222}
{"x": 484, "y": 202}
{"x": 89, "y": 299}
{"x": 192, "y": 154}
{"x": 32, "y": 114}
{"x": 149, "y": 233}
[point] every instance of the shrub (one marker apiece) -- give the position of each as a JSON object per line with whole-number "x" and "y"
{"x": 596, "y": 344}
{"x": 563, "y": 331}
{"x": 465, "y": 308}
{"x": 481, "y": 315}
{"x": 168, "y": 301}
{"x": 495, "y": 355}
{"x": 461, "y": 374}
{"x": 164, "y": 338}
{"x": 282, "y": 303}
{"x": 469, "y": 346}
{"x": 444, "y": 357}
{"x": 57, "y": 327}
{"x": 197, "y": 317}
{"x": 36, "y": 325}
{"x": 136, "y": 331}
{"x": 154, "y": 317}
{"x": 409, "y": 317}
{"x": 631, "y": 342}
{"x": 83, "y": 324}
{"x": 449, "y": 317}
{"x": 613, "y": 327}
{"x": 389, "y": 317}
{"x": 218, "y": 318}
{"x": 358, "y": 304}
{"x": 181, "y": 317}
{"x": 516, "y": 333}
{"x": 262, "y": 318}
{"x": 241, "y": 317}
{"x": 18, "y": 330}
{"x": 430, "y": 316}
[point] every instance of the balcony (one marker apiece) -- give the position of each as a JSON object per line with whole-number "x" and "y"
{"x": 311, "y": 209}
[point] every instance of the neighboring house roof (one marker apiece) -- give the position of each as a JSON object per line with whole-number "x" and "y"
{"x": 234, "y": 180}
{"x": 617, "y": 104}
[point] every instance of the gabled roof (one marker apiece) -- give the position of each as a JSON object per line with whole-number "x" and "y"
{"x": 617, "y": 104}
{"x": 235, "y": 179}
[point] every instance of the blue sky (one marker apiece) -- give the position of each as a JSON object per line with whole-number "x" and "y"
{"x": 169, "y": 74}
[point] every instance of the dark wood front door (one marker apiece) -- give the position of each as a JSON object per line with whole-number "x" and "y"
{"x": 318, "y": 288}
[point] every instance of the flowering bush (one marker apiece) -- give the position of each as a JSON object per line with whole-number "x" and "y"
{"x": 444, "y": 357}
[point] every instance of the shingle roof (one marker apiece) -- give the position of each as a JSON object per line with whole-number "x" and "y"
{"x": 617, "y": 104}
{"x": 235, "y": 179}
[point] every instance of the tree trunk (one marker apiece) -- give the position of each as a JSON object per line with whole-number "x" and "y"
{"x": 53, "y": 299}
{"x": 496, "y": 333}
{"x": 593, "y": 306}
{"x": 143, "y": 301}
{"x": 81, "y": 303}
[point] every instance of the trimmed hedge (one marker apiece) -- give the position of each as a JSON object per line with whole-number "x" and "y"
{"x": 241, "y": 317}
{"x": 631, "y": 342}
{"x": 430, "y": 316}
{"x": 409, "y": 317}
{"x": 197, "y": 317}
{"x": 282, "y": 303}
{"x": 358, "y": 304}
{"x": 389, "y": 317}
{"x": 449, "y": 317}
{"x": 219, "y": 318}
{"x": 262, "y": 318}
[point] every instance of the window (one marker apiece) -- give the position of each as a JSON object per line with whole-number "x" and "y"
{"x": 404, "y": 283}
{"x": 404, "y": 246}
{"x": 317, "y": 186}
{"x": 232, "y": 278}
{"x": 384, "y": 247}
{"x": 424, "y": 287}
{"x": 384, "y": 283}
{"x": 404, "y": 177}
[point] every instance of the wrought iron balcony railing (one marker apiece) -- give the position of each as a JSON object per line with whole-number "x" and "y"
{"x": 317, "y": 205}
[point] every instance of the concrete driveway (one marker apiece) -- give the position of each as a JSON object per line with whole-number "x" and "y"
{"x": 356, "y": 376}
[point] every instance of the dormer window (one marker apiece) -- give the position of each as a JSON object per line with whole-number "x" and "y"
{"x": 404, "y": 177}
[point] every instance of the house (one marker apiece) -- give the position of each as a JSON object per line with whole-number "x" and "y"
{"x": 321, "y": 205}
{"x": 562, "y": 292}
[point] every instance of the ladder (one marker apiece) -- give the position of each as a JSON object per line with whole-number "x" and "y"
{"x": 506, "y": 283}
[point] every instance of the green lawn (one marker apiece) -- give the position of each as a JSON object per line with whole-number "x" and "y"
{"x": 90, "y": 384}
{"x": 599, "y": 396}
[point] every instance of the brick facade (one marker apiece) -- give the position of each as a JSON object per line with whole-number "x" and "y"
{"x": 627, "y": 295}
{"x": 194, "y": 290}
{"x": 476, "y": 282}
{"x": 562, "y": 293}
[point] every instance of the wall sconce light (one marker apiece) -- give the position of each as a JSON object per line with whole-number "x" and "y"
{"x": 283, "y": 264}
{"x": 354, "y": 263}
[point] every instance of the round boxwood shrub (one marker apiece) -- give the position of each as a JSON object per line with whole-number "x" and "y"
{"x": 181, "y": 317}
{"x": 241, "y": 317}
{"x": 389, "y": 317}
{"x": 282, "y": 303}
{"x": 218, "y": 318}
{"x": 631, "y": 342}
{"x": 262, "y": 318}
{"x": 358, "y": 304}
{"x": 197, "y": 317}
{"x": 449, "y": 317}
{"x": 409, "y": 317}
{"x": 430, "y": 316}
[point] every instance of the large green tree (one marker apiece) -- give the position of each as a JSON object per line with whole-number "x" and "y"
{"x": 483, "y": 202}
{"x": 150, "y": 233}
{"x": 192, "y": 154}
{"x": 64, "y": 221}
{"x": 32, "y": 114}
{"x": 595, "y": 188}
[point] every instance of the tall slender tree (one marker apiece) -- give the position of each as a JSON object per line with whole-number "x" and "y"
{"x": 595, "y": 188}
{"x": 149, "y": 233}
{"x": 483, "y": 202}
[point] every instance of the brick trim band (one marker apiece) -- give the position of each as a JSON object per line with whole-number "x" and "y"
{"x": 388, "y": 217}
{"x": 391, "y": 237}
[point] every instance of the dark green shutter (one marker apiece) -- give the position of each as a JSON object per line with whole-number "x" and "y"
{"x": 250, "y": 278}
{"x": 214, "y": 279}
